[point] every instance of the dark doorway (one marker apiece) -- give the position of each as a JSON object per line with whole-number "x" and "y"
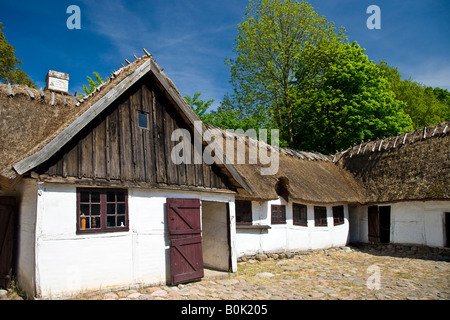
{"x": 447, "y": 228}
{"x": 6, "y": 239}
{"x": 374, "y": 232}
{"x": 379, "y": 219}
{"x": 385, "y": 223}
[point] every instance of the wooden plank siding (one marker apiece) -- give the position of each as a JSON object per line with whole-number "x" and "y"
{"x": 114, "y": 148}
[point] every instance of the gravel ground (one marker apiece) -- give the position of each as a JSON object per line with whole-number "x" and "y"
{"x": 333, "y": 274}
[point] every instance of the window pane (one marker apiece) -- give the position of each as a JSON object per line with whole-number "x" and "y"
{"x": 283, "y": 213}
{"x": 120, "y": 196}
{"x": 95, "y": 222}
{"x": 338, "y": 215}
{"x": 84, "y": 196}
{"x": 111, "y": 221}
{"x": 296, "y": 216}
{"x": 299, "y": 214}
{"x": 275, "y": 214}
{"x": 121, "y": 221}
{"x": 84, "y": 209}
{"x": 110, "y": 196}
{"x": 110, "y": 208}
{"x": 95, "y": 209}
{"x": 143, "y": 120}
{"x": 121, "y": 208}
{"x": 303, "y": 216}
{"x": 243, "y": 211}
{"x": 95, "y": 196}
{"x": 320, "y": 216}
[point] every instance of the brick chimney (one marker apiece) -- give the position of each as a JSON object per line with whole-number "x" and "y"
{"x": 57, "y": 81}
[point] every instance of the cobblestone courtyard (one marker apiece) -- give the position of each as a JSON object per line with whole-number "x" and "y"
{"x": 340, "y": 273}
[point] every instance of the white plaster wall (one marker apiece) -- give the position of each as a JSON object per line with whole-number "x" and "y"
{"x": 25, "y": 272}
{"x": 413, "y": 222}
{"x": 419, "y": 222}
{"x": 290, "y": 237}
{"x": 68, "y": 263}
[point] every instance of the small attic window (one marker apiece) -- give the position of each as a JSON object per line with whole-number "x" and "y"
{"x": 143, "y": 120}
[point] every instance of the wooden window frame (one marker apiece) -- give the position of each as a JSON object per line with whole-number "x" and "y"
{"x": 338, "y": 217}
{"x": 320, "y": 221}
{"x": 279, "y": 217}
{"x": 242, "y": 215}
{"x": 300, "y": 221}
{"x": 103, "y": 202}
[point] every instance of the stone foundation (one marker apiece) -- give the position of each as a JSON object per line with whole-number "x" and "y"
{"x": 405, "y": 250}
{"x": 288, "y": 254}
{"x": 392, "y": 249}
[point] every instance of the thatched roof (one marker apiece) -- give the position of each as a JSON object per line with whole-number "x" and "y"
{"x": 411, "y": 166}
{"x": 306, "y": 176}
{"x": 36, "y": 124}
{"x": 30, "y": 121}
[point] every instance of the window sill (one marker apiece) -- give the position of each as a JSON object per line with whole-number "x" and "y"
{"x": 250, "y": 226}
{"x": 300, "y": 225}
{"x": 95, "y": 231}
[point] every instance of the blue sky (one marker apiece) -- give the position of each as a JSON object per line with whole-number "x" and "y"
{"x": 191, "y": 39}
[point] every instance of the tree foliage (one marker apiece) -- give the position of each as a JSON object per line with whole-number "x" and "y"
{"x": 10, "y": 71}
{"x": 349, "y": 102}
{"x": 92, "y": 84}
{"x": 200, "y": 106}
{"x": 424, "y": 104}
{"x": 270, "y": 51}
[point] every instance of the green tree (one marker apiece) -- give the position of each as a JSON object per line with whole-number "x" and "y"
{"x": 270, "y": 51}
{"x": 443, "y": 95}
{"x": 92, "y": 84}
{"x": 350, "y": 101}
{"x": 10, "y": 71}
{"x": 200, "y": 107}
{"x": 423, "y": 104}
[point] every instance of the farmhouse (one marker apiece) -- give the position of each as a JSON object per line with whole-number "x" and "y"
{"x": 303, "y": 206}
{"x": 90, "y": 197}
{"x": 392, "y": 190}
{"x": 98, "y": 202}
{"x": 406, "y": 179}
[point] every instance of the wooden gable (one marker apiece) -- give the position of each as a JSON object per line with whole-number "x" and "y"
{"x": 114, "y": 150}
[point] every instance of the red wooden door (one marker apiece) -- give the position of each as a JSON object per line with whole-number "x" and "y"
{"x": 6, "y": 239}
{"x": 184, "y": 225}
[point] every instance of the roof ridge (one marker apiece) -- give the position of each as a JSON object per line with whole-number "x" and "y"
{"x": 116, "y": 73}
{"x": 303, "y": 155}
{"x": 13, "y": 90}
{"x": 395, "y": 141}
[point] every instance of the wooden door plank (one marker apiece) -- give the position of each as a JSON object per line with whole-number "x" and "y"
{"x": 184, "y": 226}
